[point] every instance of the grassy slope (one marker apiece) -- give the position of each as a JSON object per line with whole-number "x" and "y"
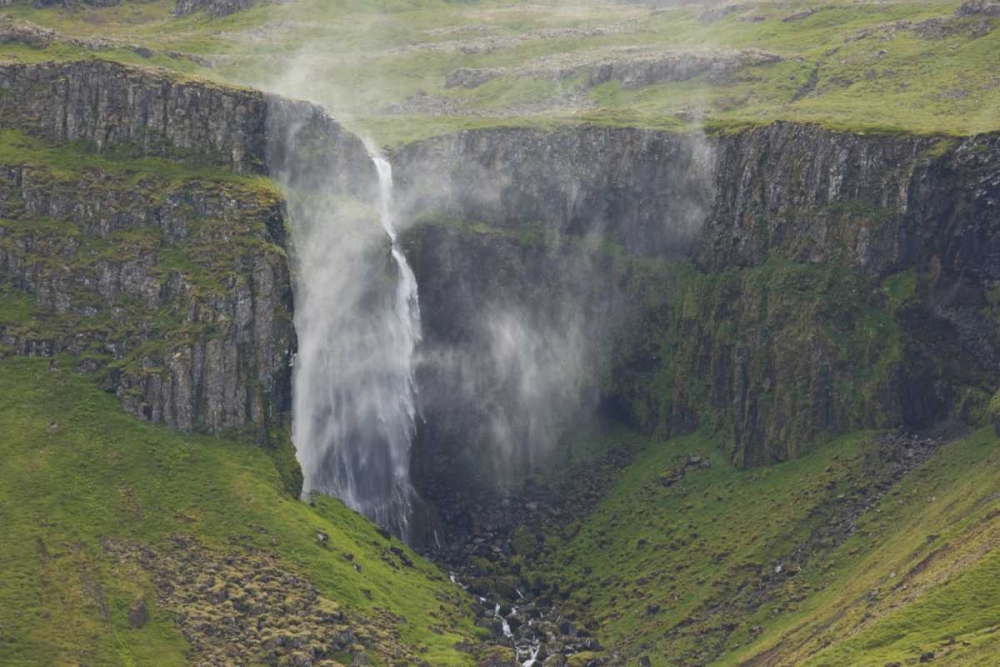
{"x": 921, "y": 574}
{"x": 359, "y": 57}
{"x": 77, "y": 470}
{"x": 918, "y": 575}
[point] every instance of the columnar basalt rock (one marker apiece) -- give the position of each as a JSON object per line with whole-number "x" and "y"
{"x": 186, "y": 288}
{"x": 147, "y": 112}
{"x": 835, "y": 280}
{"x": 877, "y": 203}
{"x": 648, "y": 191}
{"x": 172, "y": 281}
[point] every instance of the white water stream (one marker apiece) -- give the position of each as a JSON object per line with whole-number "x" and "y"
{"x": 358, "y": 323}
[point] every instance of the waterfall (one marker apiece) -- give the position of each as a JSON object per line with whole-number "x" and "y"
{"x": 358, "y": 322}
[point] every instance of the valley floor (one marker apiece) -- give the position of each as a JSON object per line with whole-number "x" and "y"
{"x": 872, "y": 549}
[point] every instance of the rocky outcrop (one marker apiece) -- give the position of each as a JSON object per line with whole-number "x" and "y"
{"x": 215, "y": 8}
{"x": 40, "y": 4}
{"x": 779, "y": 282}
{"x": 169, "y": 278}
{"x": 241, "y": 603}
{"x": 979, "y": 8}
{"x": 141, "y": 112}
{"x": 179, "y": 294}
{"x": 637, "y": 67}
{"x": 632, "y": 67}
{"x": 14, "y": 31}
{"x": 469, "y": 77}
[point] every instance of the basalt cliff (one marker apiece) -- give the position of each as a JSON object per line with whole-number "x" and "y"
{"x": 779, "y": 282}
{"x": 137, "y": 216}
{"x": 774, "y": 283}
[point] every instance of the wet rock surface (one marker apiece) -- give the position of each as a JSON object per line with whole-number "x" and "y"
{"x": 870, "y": 206}
{"x": 649, "y": 191}
{"x": 521, "y": 611}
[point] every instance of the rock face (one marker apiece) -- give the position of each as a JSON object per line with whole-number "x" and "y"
{"x": 775, "y": 283}
{"x": 648, "y": 191}
{"x": 215, "y": 8}
{"x": 979, "y": 8}
{"x": 171, "y": 280}
{"x": 152, "y": 113}
{"x": 878, "y": 204}
{"x": 200, "y": 337}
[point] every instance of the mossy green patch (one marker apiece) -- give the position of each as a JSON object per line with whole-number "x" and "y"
{"x": 69, "y": 160}
{"x": 15, "y": 305}
{"x": 688, "y": 564}
{"x": 77, "y": 471}
{"x": 778, "y": 321}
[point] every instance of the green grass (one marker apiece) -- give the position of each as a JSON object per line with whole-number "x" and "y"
{"x": 919, "y": 575}
{"x": 18, "y": 149}
{"x": 77, "y": 471}
{"x": 874, "y": 70}
{"x": 15, "y": 305}
{"x": 699, "y": 547}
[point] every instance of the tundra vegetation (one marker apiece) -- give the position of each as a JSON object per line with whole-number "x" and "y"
{"x": 745, "y": 253}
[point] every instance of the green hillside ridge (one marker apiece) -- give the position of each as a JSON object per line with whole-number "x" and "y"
{"x": 382, "y": 67}
{"x": 687, "y": 564}
{"x": 79, "y": 476}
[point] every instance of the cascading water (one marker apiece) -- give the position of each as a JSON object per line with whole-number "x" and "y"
{"x": 358, "y": 322}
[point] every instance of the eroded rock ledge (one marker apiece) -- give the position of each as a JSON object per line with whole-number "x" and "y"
{"x": 169, "y": 278}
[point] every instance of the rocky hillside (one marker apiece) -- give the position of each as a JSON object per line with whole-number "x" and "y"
{"x": 132, "y": 218}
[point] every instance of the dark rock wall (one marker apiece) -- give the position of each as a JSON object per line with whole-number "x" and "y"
{"x": 833, "y": 280}
{"x": 170, "y": 279}
{"x": 511, "y": 325}
{"x": 648, "y": 191}
{"x": 877, "y": 203}
{"x": 179, "y": 294}
{"x": 145, "y": 112}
